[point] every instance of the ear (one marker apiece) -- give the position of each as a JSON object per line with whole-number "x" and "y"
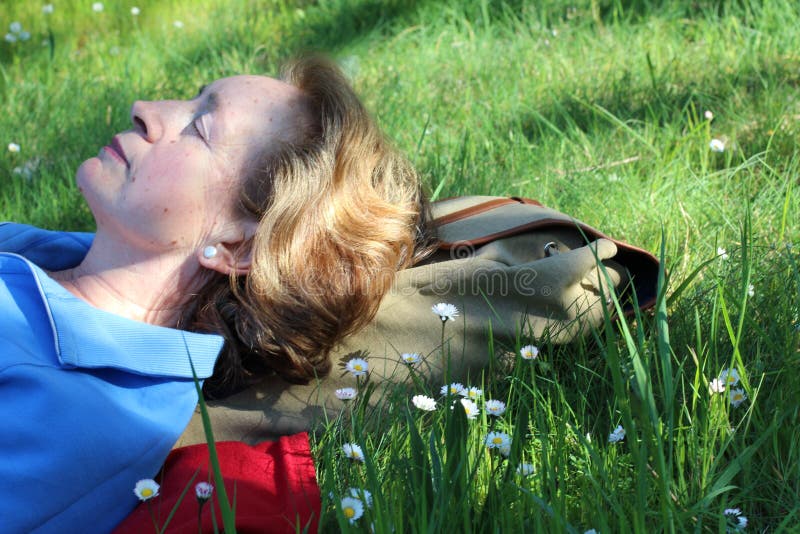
{"x": 233, "y": 254}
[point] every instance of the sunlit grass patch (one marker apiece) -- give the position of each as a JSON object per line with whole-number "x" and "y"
{"x": 669, "y": 124}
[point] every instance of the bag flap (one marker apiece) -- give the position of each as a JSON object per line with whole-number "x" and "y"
{"x": 477, "y": 220}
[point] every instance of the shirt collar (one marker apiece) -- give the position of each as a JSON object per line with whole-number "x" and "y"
{"x": 88, "y": 337}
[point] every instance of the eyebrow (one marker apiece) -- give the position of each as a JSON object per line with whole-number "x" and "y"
{"x": 212, "y": 99}
{"x": 212, "y": 102}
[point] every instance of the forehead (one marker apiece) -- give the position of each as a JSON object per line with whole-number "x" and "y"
{"x": 247, "y": 83}
{"x": 257, "y": 93}
{"x": 255, "y": 105}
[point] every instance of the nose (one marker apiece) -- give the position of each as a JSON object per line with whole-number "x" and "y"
{"x": 147, "y": 120}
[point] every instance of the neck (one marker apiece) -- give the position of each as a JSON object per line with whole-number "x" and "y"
{"x": 147, "y": 287}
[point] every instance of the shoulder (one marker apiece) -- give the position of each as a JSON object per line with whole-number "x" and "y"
{"x": 133, "y": 420}
{"x": 50, "y": 249}
{"x": 25, "y": 332}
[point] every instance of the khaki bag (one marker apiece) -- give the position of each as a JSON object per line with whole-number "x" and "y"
{"x": 508, "y": 263}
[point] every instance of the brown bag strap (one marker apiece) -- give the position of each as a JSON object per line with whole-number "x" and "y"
{"x": 482, "y": 207}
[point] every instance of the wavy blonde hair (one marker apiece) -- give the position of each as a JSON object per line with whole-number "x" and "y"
{"x": 339, "y": 211}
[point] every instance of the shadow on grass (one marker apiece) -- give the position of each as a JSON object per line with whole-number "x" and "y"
{"x": 663, "y": 101}
{"x": 271, "y": 38}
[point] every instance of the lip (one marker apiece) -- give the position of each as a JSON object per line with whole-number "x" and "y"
{"x": 116, "y": 151}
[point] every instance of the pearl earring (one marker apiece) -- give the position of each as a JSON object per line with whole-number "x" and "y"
{"x": 209, "y": 252}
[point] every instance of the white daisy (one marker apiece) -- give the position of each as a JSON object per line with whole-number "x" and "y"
{"x": 13, "y": 147}
{"x": 357, "y": 366}
{"x": 722, "y": 253}
{"x": 146, "y": 489}
{"x": 178, "y": 24}
{"x": 617, "y": 435}
{"x": 97, "y": 7}
{"x": 352, "y": 509}
{"x": 361, "y": 494}
{"x": 495, "y": 407}
{"x": 525, "y": 469}
{"x": 751, "y": 290}
{"x": 135, "y": 11}
{"x": 203, "y": 491}
{"x": 10, "y": 38}
{"x": 24, "y": 36}
{"x": 470, "y": 408}
{"x": 495, "y": 440}
{"x": 345, "y": 393}
{"x": 737, "y": 396}
{"x": 505, "y": 450}
{"x": 455, "y": 389}
{"x": 735, "y": 514}
{"x": 47, "y": 9}
{"x": 409, "y": 358}
{"x": 708, "y": 115}
{"x": 15, "y": 27}
{"x": 445, "y": 311}
{"x": 472, "y": 393}
{"x": 529, "y": 352}
{"x": 717, "y": 145}
{"x": 353, "y": 451}
{"x": 729, "y": 377}
{"x": 424, "y": 402}
{"x": 716, "y": 386}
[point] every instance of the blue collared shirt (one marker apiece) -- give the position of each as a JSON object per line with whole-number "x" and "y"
{"x": 90, "y": 402}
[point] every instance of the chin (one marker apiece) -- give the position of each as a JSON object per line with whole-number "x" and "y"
{"x": 89, "y": 178}
{"x": 90, "y": 168}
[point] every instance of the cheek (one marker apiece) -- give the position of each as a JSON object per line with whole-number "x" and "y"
{"x": 162, "y": 184}
{"x": 173, "y": 205}
{"x": 166, "y": 204}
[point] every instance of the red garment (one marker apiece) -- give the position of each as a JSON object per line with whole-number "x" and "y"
{"x": 273, "y": 485}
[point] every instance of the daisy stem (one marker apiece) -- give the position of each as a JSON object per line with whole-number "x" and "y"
{"x": 418, "y": 384}
{"x": 445, "y": 359}
{"x": 153, "y": 516}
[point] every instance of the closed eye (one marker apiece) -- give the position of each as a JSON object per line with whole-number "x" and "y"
{"x": 196, "y": 127}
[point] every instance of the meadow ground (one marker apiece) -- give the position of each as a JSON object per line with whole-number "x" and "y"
{"x": 668, "y": 124}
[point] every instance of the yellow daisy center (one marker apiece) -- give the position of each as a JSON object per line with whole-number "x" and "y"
{"x": 497, "y": 440}
{"x": 147, "y": 492}
{"x": 357, "y": 367}
{"x": 349, "y": 512}
{"x": 731, "y": 379}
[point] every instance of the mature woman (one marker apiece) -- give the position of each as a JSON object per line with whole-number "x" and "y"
{"x": 245, "y": 230}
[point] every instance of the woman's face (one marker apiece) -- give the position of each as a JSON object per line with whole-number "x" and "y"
{"x": 171, "y": 182}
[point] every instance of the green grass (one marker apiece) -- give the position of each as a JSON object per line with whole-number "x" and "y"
{"x": 593, "y": 107}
